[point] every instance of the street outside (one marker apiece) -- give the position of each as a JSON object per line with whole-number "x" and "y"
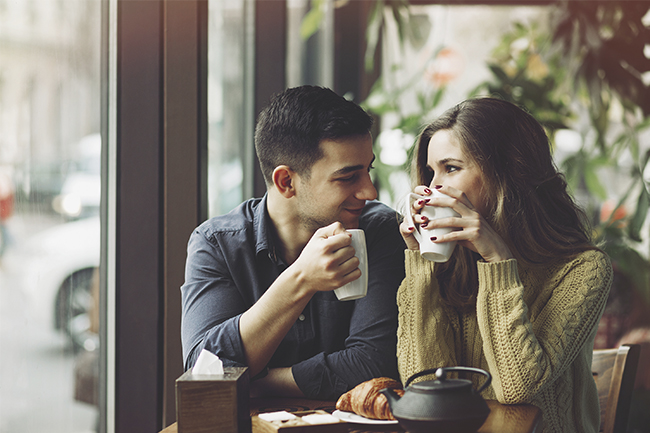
{"x": 36, "y": 362}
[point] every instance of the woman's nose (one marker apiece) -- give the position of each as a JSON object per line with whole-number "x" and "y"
{"x": 436, "y": 180}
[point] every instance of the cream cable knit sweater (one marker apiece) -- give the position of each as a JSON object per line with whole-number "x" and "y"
{"x": 533, "y": 330}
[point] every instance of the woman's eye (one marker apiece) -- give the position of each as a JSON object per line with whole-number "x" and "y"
{"x": 451, "y": 168}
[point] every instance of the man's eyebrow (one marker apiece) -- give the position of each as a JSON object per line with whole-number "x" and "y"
{"x": 351, "y": 168}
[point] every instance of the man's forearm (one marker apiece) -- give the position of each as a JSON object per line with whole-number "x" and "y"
{"x": 265, "y": 324}
{"x": 279, "y": 382}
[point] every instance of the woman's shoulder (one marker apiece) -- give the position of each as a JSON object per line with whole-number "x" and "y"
{"x": 593, "y": 267}
{"x": 592, "y": 264}
{"x": 594, "y": 257}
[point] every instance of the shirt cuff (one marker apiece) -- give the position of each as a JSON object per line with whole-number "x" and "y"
{"x": 316, "y": 380}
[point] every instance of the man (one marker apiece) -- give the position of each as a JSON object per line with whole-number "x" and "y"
{"x": 259, "y": 281}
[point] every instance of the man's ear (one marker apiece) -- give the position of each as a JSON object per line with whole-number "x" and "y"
{"x": 284, "y": 180}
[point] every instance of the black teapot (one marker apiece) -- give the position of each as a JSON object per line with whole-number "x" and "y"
{"x": 440, "y": 405}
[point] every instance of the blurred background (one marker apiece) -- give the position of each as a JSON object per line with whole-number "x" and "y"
{"x": 581, "y": 68}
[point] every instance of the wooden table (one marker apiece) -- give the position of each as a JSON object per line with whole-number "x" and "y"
{"x": 522, "y": 418}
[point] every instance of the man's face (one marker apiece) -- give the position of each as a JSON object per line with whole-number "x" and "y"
{"x": 339, "y": 184}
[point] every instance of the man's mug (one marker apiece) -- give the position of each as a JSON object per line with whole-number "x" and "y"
{"x": 359, "y": 287}
{"x": 435, "y": 252}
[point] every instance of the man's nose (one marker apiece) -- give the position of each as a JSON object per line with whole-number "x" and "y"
{"x": 368, "y": 190}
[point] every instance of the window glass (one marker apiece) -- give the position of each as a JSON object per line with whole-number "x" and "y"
{"x": 49, "y": 214}
{"x": 227, "y": 133}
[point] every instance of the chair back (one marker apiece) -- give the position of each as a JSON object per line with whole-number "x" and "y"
{"x": 614, "y": 371}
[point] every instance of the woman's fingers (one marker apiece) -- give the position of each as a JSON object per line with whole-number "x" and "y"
{"x": 406, "y": 231}
{"x": 422, "y": 190}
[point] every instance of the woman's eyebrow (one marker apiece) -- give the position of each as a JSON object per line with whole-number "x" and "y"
{"x": 446, "y": 161}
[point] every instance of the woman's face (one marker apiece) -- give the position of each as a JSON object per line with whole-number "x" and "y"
{"x": 450, "y": 166}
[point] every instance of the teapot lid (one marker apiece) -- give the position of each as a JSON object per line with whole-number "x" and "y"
{"x": 441, "y": 385}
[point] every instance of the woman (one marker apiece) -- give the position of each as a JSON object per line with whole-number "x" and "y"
{"x": 522, "y": 294}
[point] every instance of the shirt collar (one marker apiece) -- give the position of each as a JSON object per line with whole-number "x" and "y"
{"x": 263, "y": 233}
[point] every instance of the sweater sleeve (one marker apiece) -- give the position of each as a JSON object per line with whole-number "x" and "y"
{"x": 528, "y": 352}
{"x": 425, "y": 337}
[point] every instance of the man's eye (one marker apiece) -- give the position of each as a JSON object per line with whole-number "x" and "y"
{"x": 346, "y": 179}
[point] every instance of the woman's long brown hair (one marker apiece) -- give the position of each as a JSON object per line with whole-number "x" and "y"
{"x": 528, "y": 202}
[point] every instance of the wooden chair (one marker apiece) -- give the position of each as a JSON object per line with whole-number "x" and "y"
{"x": 614, "y": 371}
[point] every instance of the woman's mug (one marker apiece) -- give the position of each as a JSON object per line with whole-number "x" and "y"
{"x": 435, "y": 252}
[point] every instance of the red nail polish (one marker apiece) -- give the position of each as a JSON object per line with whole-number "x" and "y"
{"x": 427, "y": 191}
{"x": 420, "y": 202}
{"x": 427, "y": 200}
{"x": 411, "y": 229}
{"x": 424, "y": 224}
{"x": 433, "y": 238}
{"x": 438, "y": 186}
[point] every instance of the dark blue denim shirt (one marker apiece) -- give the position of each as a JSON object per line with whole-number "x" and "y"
{"x": 334, "y": 345}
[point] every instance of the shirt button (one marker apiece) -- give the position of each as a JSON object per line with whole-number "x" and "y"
{"x": 301, "y": 317}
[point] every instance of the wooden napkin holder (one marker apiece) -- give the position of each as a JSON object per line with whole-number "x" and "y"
{"x": 214, "y": 403}
{"x": 297, "y": 425}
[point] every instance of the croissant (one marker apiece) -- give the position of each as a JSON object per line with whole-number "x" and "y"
{"x": 366, "y": 400}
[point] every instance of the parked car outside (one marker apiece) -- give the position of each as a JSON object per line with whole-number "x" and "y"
{"x": 81, "y": 190}
{"x": 56, "y": 268}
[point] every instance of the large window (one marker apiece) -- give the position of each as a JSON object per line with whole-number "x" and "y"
{"x": 49, "y": 215}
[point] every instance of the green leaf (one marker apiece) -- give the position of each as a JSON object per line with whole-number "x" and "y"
{"x": 373, "y": 30}
{"x": 640, "y": 214}
{"x": 438, "y": 96}
{"x": 592, "y": 179}
{"x": 312, "y": 20}
{"x": 419, "y": 29}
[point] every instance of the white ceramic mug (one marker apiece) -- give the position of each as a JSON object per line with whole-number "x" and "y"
{"x": 435, "y": 252}
{"x": 359, "y": 287}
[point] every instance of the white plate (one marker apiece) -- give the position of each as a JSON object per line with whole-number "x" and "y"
{"x": 353, "y": 417}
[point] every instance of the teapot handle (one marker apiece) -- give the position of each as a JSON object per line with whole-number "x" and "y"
{"x": 442, "y": 372}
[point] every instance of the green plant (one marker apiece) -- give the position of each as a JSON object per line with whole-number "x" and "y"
{"x": 602, "y": 49}
{"x": 586, "y": 62}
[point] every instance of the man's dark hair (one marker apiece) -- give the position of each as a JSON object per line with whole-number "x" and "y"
{"x": 290, "y": 129}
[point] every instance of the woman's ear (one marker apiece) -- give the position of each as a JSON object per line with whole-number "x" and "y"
{"x": 284, "y": 180}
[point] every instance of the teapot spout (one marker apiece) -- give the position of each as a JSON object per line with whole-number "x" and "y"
{"x": 391, "y": 396}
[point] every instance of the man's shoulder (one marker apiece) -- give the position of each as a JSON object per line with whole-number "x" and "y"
{"x": 375, "y": 213}
{"x": 240, "y": 219}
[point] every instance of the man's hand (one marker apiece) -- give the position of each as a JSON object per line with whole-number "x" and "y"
{"x": 327, "y": 262}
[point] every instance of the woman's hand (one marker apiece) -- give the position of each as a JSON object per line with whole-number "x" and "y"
{"x": 406, "y": 230}
{"x": 471, "y": 230}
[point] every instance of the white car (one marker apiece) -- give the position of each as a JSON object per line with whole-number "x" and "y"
{"x": 56, "y": 269}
